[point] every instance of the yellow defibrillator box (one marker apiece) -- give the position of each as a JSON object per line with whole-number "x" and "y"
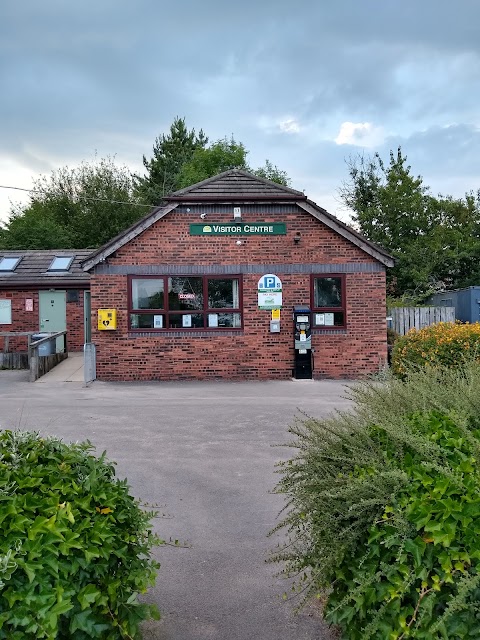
{"x": 107, "y": 319}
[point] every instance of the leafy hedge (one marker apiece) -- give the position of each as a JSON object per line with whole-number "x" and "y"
{"x": 444, "y": 344}
{"x": 74, "y": 544}
{"x": 383, "y": 509}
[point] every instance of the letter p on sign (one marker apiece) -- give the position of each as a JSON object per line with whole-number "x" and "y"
{"x": 269, "y": 282}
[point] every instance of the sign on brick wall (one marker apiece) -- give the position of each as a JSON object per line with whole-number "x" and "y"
{"x": 239, "y": 229}
{"x": 269, "y": 292}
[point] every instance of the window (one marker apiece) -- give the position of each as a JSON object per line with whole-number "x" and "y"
{"x": 61, "y": 263}
{"x": 72, "y": 295}
{"x": 5, "y": 311}
{"x": 185, "y": 302}
{"x": 9, "y": 263}
{"x": 328, "y": 301}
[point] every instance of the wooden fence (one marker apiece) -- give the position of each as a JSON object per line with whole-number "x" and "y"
{"x": 14, "y": 359}
{"x": 406, "y": 318}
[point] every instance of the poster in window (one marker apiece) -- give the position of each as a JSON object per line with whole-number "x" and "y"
{"x": 319, "y": 319}
{"x": 158, "y": 322}
{"x": 213, "y": 319}
{"x": 5, "y": 312}
{"x": 187, "y": 320}
{"x": 329, "y": 320}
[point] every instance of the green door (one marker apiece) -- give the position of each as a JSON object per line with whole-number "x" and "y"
{"x": 53, "y": 313}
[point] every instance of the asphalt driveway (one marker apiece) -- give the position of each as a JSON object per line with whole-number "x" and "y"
{"x": 202, "y": 452}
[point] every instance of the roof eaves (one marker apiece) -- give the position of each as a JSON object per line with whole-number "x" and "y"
{"x": 252, "y": 197}
{"x": 40, "y": 283}
{"x": 372, "y": 249}
{"x": 126, "y": 236}
{"x": 232, "y": 172}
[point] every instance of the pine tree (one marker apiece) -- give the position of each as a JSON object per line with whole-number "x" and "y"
{"x": 170, "y": 153}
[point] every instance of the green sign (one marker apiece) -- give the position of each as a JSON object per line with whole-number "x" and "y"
{"x": 239, "y": 229}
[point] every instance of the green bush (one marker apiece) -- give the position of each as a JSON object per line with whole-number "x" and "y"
{"x": 74, "y": 544}
{"x": 392, "y": 337}
{"x": 444, "y": 344}
{"x": 383, "y": 509}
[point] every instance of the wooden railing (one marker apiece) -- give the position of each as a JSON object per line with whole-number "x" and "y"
{"x": 40, "y": 365}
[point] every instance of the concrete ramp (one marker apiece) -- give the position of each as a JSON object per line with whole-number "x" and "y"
{"x": 70, "y": 370}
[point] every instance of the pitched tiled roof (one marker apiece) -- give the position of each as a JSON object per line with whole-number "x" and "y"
{"x": 33, "y": 269}
{"x": 232, "y": 187}
{"x": 238, "y": 185}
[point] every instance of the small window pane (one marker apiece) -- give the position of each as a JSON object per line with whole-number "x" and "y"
{"x": 334, "y": 319}
{"x": 61, "y": 263}
{"x": 185, "y": 321}
{"x": 227, "y": 320}
{"x": 223, "y": 293}
{"x": 5, "y": 312}
{"x": 147, "y": 321}
{"x": 185, "y": 293}
{"x": 147, "y": 293}
{"x": 8, "y": 264}
{"x": 327, "y": 292}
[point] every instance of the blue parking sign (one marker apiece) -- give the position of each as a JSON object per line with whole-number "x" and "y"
{"x": 269, "y": 282}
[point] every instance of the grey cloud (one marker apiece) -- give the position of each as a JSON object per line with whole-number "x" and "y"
{"x": 112, "y": 75}
{"x": 440, "y": 154}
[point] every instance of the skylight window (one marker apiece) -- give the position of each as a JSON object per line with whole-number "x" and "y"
{"x": 61, "y": 263}
{"x": 9, "y": 263}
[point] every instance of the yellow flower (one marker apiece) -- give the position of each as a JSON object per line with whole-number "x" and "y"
{"x": 104, "y": 510}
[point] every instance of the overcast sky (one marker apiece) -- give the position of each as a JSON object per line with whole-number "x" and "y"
{"x": 306, "y": 84}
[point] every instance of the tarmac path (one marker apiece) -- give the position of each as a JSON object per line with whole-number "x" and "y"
{"x": 203, "y": 452}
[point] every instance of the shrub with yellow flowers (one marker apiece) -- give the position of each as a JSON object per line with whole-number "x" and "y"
{"x": 446, "y": 344}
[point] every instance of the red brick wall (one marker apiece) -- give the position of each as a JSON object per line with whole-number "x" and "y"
{"x": 23, "y": 320}
{"x": 76, "y": 323}
{"x": 168, "y": 242}
{"x": 254, "y": 352}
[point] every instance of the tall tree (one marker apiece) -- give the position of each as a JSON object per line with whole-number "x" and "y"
{"x": 75, "y": 208}
{"x": 34, "y": 228}
{"x": 206, "y": 162}
{"x": 171, "y": 152}
{"x": 433, "y": 239}
{"x": 273, "y": 173}
{"x": 221, "y": 156}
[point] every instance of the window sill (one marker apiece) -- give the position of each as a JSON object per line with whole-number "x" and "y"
{"x": 184, "y": 333}
{"x": 335, "y": 330}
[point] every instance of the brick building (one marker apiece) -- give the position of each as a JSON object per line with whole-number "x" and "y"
{"x": 44, "y": 291}
{"x": 184, "y": 283}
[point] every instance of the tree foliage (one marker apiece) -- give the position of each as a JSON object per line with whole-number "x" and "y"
{"x": 435, "y": 240}
{"x": 75, "y": 208}
{"x": 270, "y": 171}
{"x": 86, "y": 206}
{"x": 220, "y": 156}
{"x": 171, "y": 152}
